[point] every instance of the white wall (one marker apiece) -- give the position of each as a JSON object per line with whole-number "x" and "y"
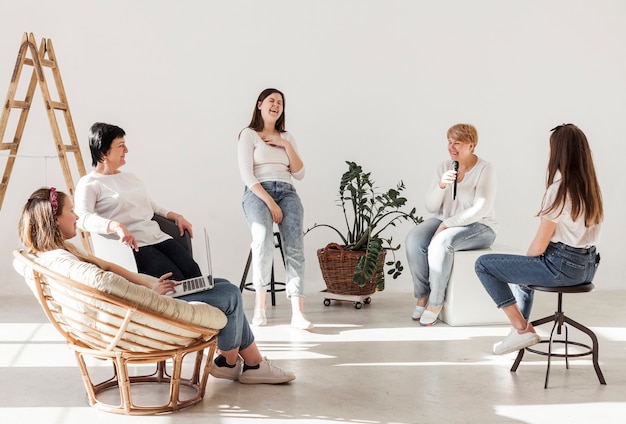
{"x": 376, "y": 82}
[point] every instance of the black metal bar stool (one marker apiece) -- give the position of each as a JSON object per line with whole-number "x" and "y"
{"x": 273, "y": 284}
{"x": 560, "y": 320}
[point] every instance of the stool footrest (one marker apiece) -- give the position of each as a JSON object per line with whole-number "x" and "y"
{"x": 559, "y": 319}
{"x": 250, "y": 287}
{"x": 588, "y": 352}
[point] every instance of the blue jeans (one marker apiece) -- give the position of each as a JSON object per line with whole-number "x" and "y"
{"x": 261, "y": 226}
{"x": 430, "y": 259}
{"x": 560, "y": 265}
{"x": 226, "y": 297}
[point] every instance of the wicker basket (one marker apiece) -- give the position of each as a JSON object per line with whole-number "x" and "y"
{"x": 338, "y": 264}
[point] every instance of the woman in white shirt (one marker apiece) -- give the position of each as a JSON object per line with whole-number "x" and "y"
{"x": 563, "y": 252}
{"x": 268, "y": 160}
{"x": 462, "y": 203}
{"x": 109, "y": 201}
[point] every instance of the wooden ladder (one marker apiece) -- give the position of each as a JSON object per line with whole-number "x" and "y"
{"x": 40, "y": 58}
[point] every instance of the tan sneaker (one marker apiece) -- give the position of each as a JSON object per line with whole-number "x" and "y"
{"x": 226, "y": 372}
{"x": 266, "y": 373}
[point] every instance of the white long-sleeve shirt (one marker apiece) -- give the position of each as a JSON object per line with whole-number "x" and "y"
{"x": 475, "y": 197}
{"x": 121, "y": 197}
{"x": 258, "y": 161}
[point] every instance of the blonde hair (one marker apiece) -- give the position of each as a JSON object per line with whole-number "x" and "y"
{"x": 465, "y": 133}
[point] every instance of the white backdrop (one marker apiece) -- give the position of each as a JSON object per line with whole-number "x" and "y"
{"x": 376, "y": 82}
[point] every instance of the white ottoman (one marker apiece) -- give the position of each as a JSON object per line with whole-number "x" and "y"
{"x": 467, "y": 301}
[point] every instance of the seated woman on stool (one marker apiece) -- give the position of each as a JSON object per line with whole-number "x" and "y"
{"x": 48, "y": 220}
{"x": 563, "y": 252}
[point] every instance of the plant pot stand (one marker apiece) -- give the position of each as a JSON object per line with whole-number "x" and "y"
{"x": 358, "y": 300}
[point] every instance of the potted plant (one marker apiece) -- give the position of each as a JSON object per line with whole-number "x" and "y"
{"x": 356, "y": 266}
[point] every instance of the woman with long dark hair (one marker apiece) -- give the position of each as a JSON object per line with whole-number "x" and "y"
{"x": 563, "y": 252}
{"x": 268, "y": 161}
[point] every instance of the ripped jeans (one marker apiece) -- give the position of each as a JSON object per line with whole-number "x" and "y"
{"x": 261, "y": 226}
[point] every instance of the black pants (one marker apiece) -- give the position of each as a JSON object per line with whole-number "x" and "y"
{"x": 164, "y": 257}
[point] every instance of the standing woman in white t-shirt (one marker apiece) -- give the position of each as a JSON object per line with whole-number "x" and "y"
{"x": 563, "y": 252}
{"x": 268, "y": 160}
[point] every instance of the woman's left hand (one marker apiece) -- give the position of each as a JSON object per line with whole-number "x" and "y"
{"x": 183, "y": 225}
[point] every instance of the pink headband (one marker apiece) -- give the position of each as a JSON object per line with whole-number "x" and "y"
{"x": 54, "y": 200}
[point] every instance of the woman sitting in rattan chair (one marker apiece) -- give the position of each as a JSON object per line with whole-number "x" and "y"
{"x": 48, "y": 220}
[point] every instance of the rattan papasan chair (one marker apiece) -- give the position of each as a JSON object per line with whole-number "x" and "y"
{"x": 149, "y": 339}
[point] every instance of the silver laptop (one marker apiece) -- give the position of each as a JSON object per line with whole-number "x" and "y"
{"x": 197, "y": 284}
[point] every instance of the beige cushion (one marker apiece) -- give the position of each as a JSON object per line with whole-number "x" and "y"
{"x": 91, "y": 275}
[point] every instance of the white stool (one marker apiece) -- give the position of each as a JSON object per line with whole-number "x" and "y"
{"x": 467, "y": 301}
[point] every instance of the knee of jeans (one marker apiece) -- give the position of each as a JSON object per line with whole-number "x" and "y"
{"x": 479, "y": 264}
{"x": 229, "y": 293}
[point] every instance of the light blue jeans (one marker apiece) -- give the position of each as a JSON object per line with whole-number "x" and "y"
{"x": 560, "y": 265}
{"x": 261, "y": 226}
{"x": 430, "y": 259}
{"x": 226, "y": 297}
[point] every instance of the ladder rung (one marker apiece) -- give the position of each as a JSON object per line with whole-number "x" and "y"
{"x": 44, "y": 62}
{"x": 47, "y": 62}
{"x": 19, "y": 104}
{"x": 58, "y": 105}
{"x": 7, "y": 146}
{"x": 70, "y": 148}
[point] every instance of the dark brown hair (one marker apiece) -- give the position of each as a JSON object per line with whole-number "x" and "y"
{"x": 256, "y": 123}
{"x": 570, "y": 155}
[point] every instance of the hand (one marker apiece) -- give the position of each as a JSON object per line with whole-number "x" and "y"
{"x": 441, "y": 227}
{"x": 183, "y": 225}
{"x": 126, "y": 237}
{"x": 274, "y": 140}
{"x": 448, "y": 177}
{"x": 276, "y": 211}
{"x": 163, "y": 285}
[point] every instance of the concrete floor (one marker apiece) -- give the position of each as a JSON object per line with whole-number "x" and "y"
{"x": 372, "y": 365}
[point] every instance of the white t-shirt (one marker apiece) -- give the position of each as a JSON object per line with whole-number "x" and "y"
{"x": 121, "y": 197}
{"x": 258, "y": 161}
{"x": 570, "y": 232}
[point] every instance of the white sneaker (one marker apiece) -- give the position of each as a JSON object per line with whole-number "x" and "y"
{"x": 428, "y": 318}
{"x": 226, "y": 372}
{"x": 267, "y": 373}
{"x": 259, "y": 319}
{"x": 516, "y": 341}
{"x": 417, "y": 312}
{"x": 299, "y": 321}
